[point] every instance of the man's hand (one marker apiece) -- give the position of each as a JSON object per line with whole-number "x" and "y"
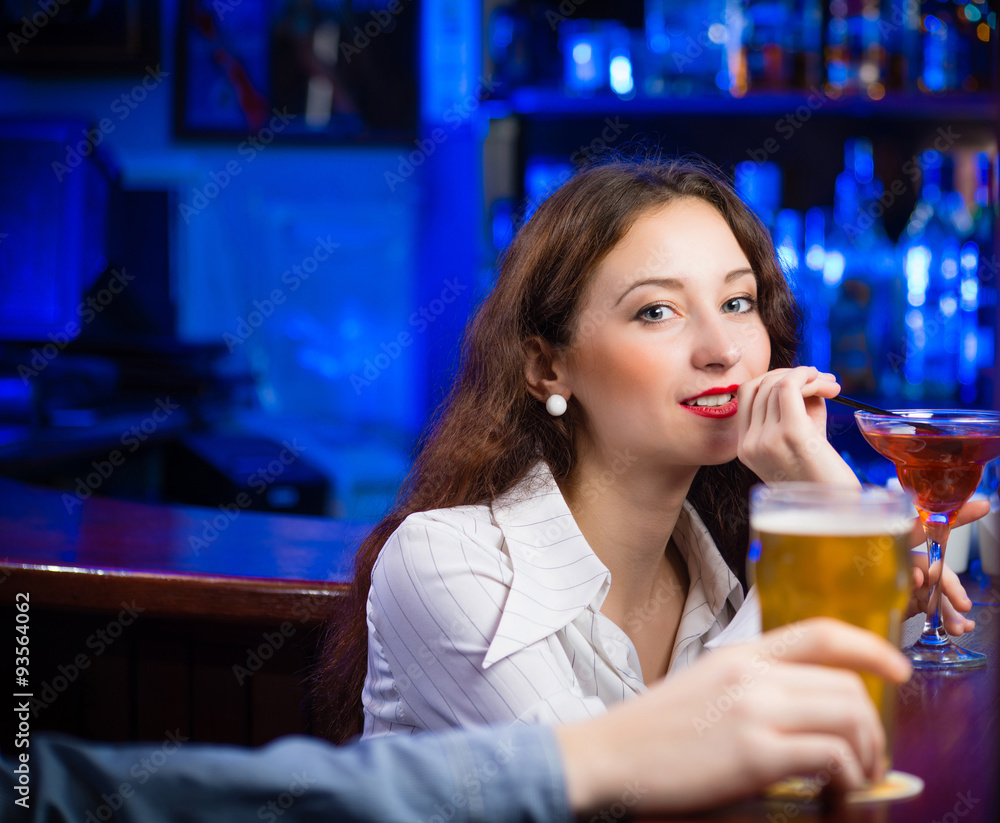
{"x": 738, "y": 720}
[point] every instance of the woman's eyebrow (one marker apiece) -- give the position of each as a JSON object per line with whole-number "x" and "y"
{"x": 674, "y": 283}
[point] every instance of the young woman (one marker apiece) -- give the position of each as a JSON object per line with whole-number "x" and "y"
{"x": 576, "y": 524}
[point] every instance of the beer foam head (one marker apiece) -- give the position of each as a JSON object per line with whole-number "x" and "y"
{"x": 830, "y": 522}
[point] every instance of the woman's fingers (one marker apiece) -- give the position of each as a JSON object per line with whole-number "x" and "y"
{"x": 824, "y": 385}
{"x": 785, "y": 379}
{"x": 954, "y": 598}
{"x": 952, "y": 588}
{"x": 781, "y": 418}
{"x": 954, "y": 622}
{"x": 754, "y": 396}
{"x": 781, "y": 394}
{"x": 971, "y": 511}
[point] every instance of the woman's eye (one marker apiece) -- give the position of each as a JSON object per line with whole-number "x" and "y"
{"x": 738, "y": 305}
{"x": 655, "y": 313}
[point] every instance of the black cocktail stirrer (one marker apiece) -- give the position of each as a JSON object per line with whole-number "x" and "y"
{"x": 919, "y": 425}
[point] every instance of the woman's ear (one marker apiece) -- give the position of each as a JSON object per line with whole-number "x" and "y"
{"x": 543, "y": 370}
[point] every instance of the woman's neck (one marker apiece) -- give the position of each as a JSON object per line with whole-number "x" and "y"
{"x": 627, "y": 509}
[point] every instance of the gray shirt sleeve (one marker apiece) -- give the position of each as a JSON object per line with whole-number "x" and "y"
{"x": 481, "y": 774}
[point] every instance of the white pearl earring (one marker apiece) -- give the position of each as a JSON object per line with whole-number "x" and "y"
{"x": 556, "y": 405}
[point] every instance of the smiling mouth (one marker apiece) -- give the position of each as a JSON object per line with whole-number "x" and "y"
{"x": 710, "y": 400}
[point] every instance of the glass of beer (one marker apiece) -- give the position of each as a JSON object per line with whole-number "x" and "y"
{"x": 834, "y": 551}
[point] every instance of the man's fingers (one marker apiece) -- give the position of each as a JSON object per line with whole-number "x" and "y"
{"x": 826, "y": 756}
{"x": 829, "y": 701}
{"x": 833, "y": 642}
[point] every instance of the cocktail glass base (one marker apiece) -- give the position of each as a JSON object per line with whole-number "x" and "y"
{"x": 942, "y": 655}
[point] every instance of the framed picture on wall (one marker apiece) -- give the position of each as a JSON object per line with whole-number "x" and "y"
{"x": 339, "y": 71}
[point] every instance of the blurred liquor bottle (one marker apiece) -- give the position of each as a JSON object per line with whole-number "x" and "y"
{"x": 806, "y": 27}
{"x": 769, "y": 43}
{"x": 942, "y": 48}
{"x": 860, "y": 277}
{"x": 979, "y": 285}
{"x": 793, "y": 235}
{"x": 901, "y": 27}
{"x": 930, "y": 251}
{"x": 759, "y": 186}
{"x": 509, "y": 41}
{"x": 691, "y": 47}
{"x": 817, "y": 310}
{"x": 957, "y": 45}
{"x": 854, "y": 52}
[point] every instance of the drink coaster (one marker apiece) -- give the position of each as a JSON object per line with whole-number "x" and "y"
{"x": 795, "y": 788}
{"x": 895, "y": 785}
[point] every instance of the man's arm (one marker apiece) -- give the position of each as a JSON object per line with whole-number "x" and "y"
{"x": 487, "y": 775}
{"x": 793, "y": 707}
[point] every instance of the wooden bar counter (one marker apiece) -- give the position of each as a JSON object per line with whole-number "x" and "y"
{"x": 148, "y": 619}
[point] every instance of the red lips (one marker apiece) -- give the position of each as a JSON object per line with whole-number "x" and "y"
{"x": 723, "y": 390}
{"x": 721, "y": 411}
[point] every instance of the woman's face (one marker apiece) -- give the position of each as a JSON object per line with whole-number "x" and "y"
{"x": 668, "y": 330}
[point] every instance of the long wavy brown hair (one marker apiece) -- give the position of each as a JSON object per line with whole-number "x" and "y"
{"x": 490, "y": 431}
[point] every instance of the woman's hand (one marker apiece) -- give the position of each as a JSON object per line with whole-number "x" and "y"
{"x": 738, "y": 720}
{"x": 782, "y": 423}
{"x": 954, "y": 598}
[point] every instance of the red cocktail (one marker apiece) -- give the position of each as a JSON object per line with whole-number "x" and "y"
{"x": 939, "y": 457}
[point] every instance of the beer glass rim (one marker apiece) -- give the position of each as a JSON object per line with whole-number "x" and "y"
{"x": 829, "y": 494}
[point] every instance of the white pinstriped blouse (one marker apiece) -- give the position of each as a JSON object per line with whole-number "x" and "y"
{"x": 491, "y": 615}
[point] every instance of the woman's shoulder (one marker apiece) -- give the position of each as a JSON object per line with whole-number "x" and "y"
{"x": 442, "y": 558}
{"x": 458, "y": 535}
{"x": 474, "y": 522}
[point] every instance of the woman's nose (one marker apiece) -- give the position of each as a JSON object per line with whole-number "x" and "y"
{"x": 717, "y": 345}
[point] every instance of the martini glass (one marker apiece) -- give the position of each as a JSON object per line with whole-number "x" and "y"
{"x": 939, "y": 457}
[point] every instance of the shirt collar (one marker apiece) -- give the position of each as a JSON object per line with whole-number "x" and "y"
{"x": 556, "y": 574}
{"x": 704, "y": 561}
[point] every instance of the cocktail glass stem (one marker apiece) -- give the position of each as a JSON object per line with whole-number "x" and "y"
{"x": 937, "y": 542}
{"x": 934, "y": 648}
